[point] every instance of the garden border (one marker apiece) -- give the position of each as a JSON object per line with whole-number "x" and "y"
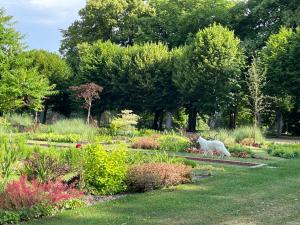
{"x": 231, "y": 162}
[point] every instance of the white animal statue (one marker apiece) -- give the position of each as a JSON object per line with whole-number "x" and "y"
{"x": 210, "y": 146}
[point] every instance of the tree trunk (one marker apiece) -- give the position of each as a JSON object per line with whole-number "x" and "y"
{"x": 36, "y": 117}
{"x": 44, "y": 119}
{"x": 258, "y": 120}
{"x": 279, "y": 123}
{"x": 232, "y": 120}
{"x": 89, "y": 114}
{"x": 155, "y": 125}
{"x": 161, "y": 120}
{"x": 169, "y": 121}
{"x": 192, "y": 120}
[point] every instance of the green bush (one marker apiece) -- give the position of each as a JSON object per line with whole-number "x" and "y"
{"x": 287, "y": 151}
{"x": 104, "y": 171}
{"x": 9, "y": 217}
{"x": 125, "y": 123}
{"x": 240, "y": 151}
{"x": 174, "y": 143}
{"x": 68, "y": 138}
{"x": 41, "y": 210}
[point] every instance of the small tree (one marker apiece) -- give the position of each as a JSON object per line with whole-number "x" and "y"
{"x": 256, "y": 81}
{"x": 88, "y": 92}
{"x": 125, "y": 122}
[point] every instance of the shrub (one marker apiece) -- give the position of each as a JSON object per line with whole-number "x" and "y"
{"x": 287, "y": 151}
{"x": 22, "y": 194}
{"x": 9, "y": 217}
{"x": 173, "y": 143}
{"x": 73, "y": 138}
{"x": 44, "y": 167}
{"x": 145, "y": 143}
{"x": 240, "y": 151}
{"x": 151, "y": 176}
{"x": 37, "y": 211}
{"x": 248, "y": 142}
{"x": 104, "y": 171}
{"x": 125, "y": 123}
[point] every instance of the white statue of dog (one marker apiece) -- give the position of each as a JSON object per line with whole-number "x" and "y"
{"x": 210, "y": 146}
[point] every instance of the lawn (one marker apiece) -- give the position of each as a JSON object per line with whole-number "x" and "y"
{"x": 237, "y": 195}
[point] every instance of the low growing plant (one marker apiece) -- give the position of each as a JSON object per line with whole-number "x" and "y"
{"x": 72, "y": 138}
{"x": 44, "y": 168}
{"x": 174, "y": 143}
{"x": 22, "y": 194}
{"x": 70, "y": 126}
{"x": 151, "y": 176}
{"x": 145, "y": 143}
{"x": 240, "y": 151}
{"x": 288, "y": 151}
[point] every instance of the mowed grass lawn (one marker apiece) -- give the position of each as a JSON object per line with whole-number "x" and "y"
{"x": 235, "y": 196}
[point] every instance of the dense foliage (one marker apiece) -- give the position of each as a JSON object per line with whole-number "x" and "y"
{"x": 105, "y": 171}
{"x": 177, "y": 64}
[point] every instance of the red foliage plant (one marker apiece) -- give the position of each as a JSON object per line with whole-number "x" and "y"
{"x": 78, "y": 146}
{"x": 146, "y": 143}
{"x": 150, "y": 176}
{"x": 21, "y": 194}
{"x": 88, "y": 92}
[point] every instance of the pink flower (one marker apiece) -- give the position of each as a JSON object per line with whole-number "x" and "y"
{"x": 78, "y": 146}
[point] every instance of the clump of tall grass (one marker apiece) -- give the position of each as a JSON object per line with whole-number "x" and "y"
{"x": 24, "y": 120}
{"x": 70, "y": 126}
{"x": 230, "y": 137}
{"x": 248, "y": 132}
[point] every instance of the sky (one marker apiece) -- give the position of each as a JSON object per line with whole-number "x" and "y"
{"x": 41, "y": 20}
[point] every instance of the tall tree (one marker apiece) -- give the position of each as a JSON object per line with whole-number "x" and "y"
{"x": 188, "y": 15}
{"x": 255, "y": 20}
{"x": 207, "y": 71}
{"x": 119, "y": 21}
{"x": 138, "y": 77}
{"x": 20, "y": 84}
{"x": 281, "y": 58}
{"x": 151, "y": 81}
{"x": 57, "y": 71}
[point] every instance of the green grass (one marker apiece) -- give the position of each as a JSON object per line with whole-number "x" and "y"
{"x": 70, "y": 126}
{"x": 20, "y": 119}
{"x": 235, "y": 196}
